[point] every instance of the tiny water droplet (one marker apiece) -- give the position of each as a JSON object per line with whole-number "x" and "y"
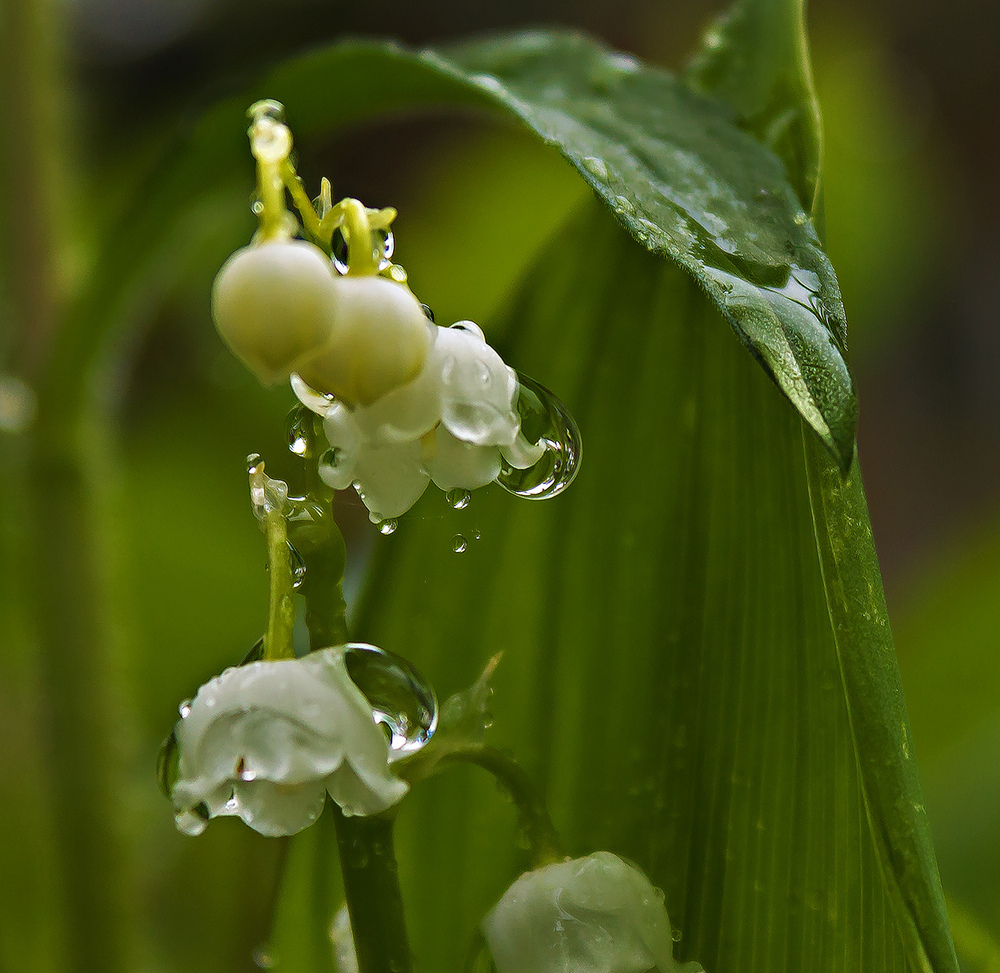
{"x": 459, "y": 544}
{"x": 476, "y": 534}
{"x": 545, "y": 421}
{"x": 256, "y": 207}
{"x": 299, "y": 430}
{"x": 598, "y": 168}
{"x": 253, "y": 461}
{"x": 624, "y": 205}
{"x": 428, "y": 313}
{"x": 184, "y": 708}
{"x": 298, "y": 565}
{"x": 676, "y": 935}
{"x": 384, "y": 244}
{"x": 397, "y": 274}
{"x": 402, "y": 700}
{"x": 458, "y": 499}
{"x": 801, "y": 218}
{"x": 388, "y": 526}
{"x": 167, "y": 763}
{"x": 339, "y": 250}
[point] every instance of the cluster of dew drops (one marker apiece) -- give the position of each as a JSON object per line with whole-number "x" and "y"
{"x": 544, "y": 421}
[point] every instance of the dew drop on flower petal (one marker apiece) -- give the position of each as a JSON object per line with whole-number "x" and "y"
{"x": 476, "y": 534}
{"x": 458, "y": 499}
{"x": 388, "y": 526}
{"x": 428, "y": 313}
{"x": 184, "y": 708}
{"x": 402, "y": 700}
{"x": 545, "y": 421}
{"x": 459, "y": 544}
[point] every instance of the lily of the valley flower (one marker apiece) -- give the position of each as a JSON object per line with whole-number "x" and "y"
{"x": 450, "y": 425}
{"x": 268, "y": 741}
{"x": 589, "y": 915}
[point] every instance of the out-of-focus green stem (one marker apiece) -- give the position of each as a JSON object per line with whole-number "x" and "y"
{"x": 374, "y": 899}
{"x": 62, "y": 453}
{"x": 281, "y": 608}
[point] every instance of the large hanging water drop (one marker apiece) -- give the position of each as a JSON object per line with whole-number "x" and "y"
{"x": 545, "y": 421}
{"x": 300, "y": 431}
{"x": 401, "y": 699}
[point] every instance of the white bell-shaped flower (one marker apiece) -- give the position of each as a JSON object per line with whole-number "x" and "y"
{"x": 269, "y": 740}
{"x": 451, "y": 424}
{"x": 597, "y": 914}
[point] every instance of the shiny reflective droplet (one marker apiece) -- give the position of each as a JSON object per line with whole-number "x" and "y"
{"x": 256, "y": 207}
{"x": 596, "y": 167}
{"x": 339, "y": 250}
{"x": 476, "y": 534}
{"x": 397, "y": 273}
{"x": 676, "y": 935}
{"x": 458, "y": 499}
{"x": 624, "y": 205}
{"x": 167, "y": 763}
{"x": 546, "y": 422}
{"x": 459, "y": 544}
{"x": 298, "y": 565}
{"x": 428, "y": 313}
{"x": 184, "y": 708}
{"x": 801, "y": 218}
{"x": 253, "y": 461}
{"x": 300, "y": 431}
{"x": 384, "y": 244}
{"x": 402, "y": 700}
{"x": 388, "y": 526}
{"x": 263, "y": 958}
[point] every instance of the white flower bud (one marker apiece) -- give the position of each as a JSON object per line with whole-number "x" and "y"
{"x": 269, "y": 740}
{"x": 590, "y": 915}
{"x": 273, "y": 304}
{"x": 379, "y": 341}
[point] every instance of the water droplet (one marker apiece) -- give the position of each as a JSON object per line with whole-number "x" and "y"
{"x": 253, "y": 461}
{"x": 801, "y": 218}
{"x": 458, "y": 499}
{"x": 598, "y": 168}
{"x": 300, "y": 431}
{"x": 624, "y": 205}
{"x": 184, "y": 708}
{"x": 167, "y": 763}
{"x": 388, "y": 526}
{"x": 545, "y": 421}
{"x": 397, "y": 274}
{"x": 676, "y": 935}
{"x": 459, "y": 544}
{"x": 256, "y": 207}
{"x": 298, "y": 565}
{"x": 384, "y": 244}
{"x": 428, "y": 313}
{"x": 476, "y": 534}
{"x": 339, "y": 250}
{"x": 402, "y": 700}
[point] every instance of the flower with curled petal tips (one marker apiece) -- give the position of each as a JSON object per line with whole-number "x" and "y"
{"x": 597, "y": 914}
{"x": 269, "y": 740}
{"x": 450, "y": 425}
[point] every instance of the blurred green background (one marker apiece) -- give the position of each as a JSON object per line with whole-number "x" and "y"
{"x": 912, "y": 205}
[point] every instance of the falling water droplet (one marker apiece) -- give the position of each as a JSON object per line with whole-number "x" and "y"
{"x": 167, "y": 761}
{"x": 298, "y": 565}
{"x": 459, "y": 544}
{"x": 388, "y": 526}
{"x": 401, "y": 698}
{"x": 545, "y": 421}
{"x": 299, "y": 429}
{"x": 458, "y": 499}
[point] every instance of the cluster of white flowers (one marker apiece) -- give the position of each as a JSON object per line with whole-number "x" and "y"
{"x": 269, "y": 740}
{"x": 597, "y": 914}
{"x": 404, "y": 402}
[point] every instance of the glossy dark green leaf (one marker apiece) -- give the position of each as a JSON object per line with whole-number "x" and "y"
{"x": 674, "y": 166}
{"x": 697, "y": 660}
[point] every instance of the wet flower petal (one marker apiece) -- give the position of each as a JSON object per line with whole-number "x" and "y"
{"x": 590, "y": 915}
{"x": 456, "y": 464}
{"x": 268, "y": 740}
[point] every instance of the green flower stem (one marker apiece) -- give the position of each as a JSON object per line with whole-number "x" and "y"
{"x": 293, "y": 183}
{"x": 374, "y": 899}
{"x": 533, "y": 816}
{"x": 281, "y": 607}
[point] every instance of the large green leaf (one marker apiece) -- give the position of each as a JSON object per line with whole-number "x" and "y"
{"x": 697, "y": 658}
{"x": 679, "y": 173}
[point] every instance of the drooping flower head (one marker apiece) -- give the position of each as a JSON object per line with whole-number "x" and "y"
{"x": 597, "y": 914}
{"x": 269, "y": 740}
